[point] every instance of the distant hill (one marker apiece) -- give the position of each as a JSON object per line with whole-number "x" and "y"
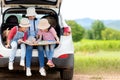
{"x": 87, "y": 22}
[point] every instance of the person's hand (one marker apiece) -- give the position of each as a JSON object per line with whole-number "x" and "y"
{"x": 31, "y": 39}
{"x": 7, "y": 46}
{"x": 28, "y": 41}
{"x": 20, "y": 41}
{"x": 35, "y": 42}
{"x": 58, "y": 42}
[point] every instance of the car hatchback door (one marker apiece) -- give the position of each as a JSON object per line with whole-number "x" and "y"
{"x": 30, "y": 3}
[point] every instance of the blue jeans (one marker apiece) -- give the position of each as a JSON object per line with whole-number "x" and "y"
{"x": 14, "y": 45}
{"x": 29, "y": 56}
{"x": 49, "y": 49}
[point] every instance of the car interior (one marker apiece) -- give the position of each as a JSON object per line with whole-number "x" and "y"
{"x": 12, "y": 16}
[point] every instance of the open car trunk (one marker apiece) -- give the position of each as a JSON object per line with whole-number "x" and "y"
{"x": 8, "y": 22}
{"x": 55, "y": 3}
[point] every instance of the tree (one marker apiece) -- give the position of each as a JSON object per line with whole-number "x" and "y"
{"x": 110, "y": 34}
{"x": 97, "y": 27}
{"x": 77, "y": 30}
{"x": 88, "y": 34}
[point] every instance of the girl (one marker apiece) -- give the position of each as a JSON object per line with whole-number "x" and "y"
{"x": 47, "y": 33}
{"x": 16, "y": 35}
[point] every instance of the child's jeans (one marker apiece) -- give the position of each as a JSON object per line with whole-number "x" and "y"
{"x": 14, "y": 45}
{"x": 49, "y": 49}
{"x": 29, "y": 50}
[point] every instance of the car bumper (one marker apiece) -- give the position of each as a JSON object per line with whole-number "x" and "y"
{"x": 67, "y": 63}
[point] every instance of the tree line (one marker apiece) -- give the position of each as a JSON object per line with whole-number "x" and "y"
{"x": 98, "y": 31}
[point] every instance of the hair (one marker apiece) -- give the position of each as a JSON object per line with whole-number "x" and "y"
{"x": 49, "y": 28}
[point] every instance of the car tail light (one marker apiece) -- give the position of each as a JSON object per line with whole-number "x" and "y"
{"x": 66, "y": 31}
{"x": 1, "y": 56}
{"x": 64, "y": 56}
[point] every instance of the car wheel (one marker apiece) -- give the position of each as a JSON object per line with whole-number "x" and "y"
{"x": 66, "y": 74}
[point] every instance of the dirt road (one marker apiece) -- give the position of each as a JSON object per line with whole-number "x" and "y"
{"x": 97, "y": 77}
{"x": 20, "y": 75}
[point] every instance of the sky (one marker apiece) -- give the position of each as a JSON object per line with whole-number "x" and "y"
{"x": 95, "y": 9}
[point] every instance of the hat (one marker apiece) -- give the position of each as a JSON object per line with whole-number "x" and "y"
{"x": 43, "y": 24}
{"x": 24, "y": 22}
{"x": 31, "y": 11}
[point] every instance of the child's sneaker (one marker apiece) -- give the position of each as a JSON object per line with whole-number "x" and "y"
{"x": 42, "y": 71}
{"x": 10, "y": 65}
{"x": 50, "y": 63}
{"x": 28, "y": 72}
{"x": 22, "y": 63}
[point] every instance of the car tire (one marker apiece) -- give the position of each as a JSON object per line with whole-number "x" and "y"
{"x": 66, "y": 74}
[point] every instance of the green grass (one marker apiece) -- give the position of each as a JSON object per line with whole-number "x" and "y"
{"x": 97, "y": 45}
{"x": 100, "y": 62}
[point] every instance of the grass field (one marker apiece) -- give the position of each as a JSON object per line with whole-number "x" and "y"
{"x": 97, "y": 45}
{"x": 99, "y": 62}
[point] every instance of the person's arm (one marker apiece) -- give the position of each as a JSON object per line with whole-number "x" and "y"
{"x": 25, "y": 36}
{"x": 55, "y": 35}
{"x": 57, "y": 39}
{"x": 10, "y": 36}
{"x": 39, "y": 36}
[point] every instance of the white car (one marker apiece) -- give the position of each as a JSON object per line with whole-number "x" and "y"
{"x": 64, "y": 52}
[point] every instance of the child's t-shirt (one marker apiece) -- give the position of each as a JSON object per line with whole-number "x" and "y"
{"x": 12, "y": 33}
{"x": 49, "y": 35}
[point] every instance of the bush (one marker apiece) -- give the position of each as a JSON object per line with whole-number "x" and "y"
{"x": 77, "y": 30}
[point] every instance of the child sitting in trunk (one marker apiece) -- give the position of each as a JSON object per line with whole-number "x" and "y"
{"x": 16, "y": 36}
{"x": 47, "y": 33}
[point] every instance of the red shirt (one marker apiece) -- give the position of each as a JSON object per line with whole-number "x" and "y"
{"x": 12, "y": 33}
